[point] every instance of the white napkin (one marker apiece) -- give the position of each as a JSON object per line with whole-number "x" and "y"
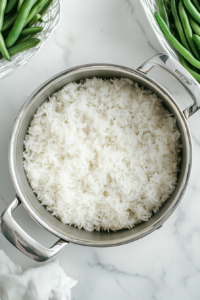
{"x": 42, "y": 283}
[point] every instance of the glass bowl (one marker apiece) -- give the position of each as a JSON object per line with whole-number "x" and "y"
{"x": 51, "y": 19}
{"x": 150, "y": 6}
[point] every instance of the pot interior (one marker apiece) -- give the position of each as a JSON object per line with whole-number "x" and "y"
{"x": 25, "y": 193}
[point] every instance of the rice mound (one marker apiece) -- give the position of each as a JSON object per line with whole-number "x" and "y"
{"x": 102, "y": 154}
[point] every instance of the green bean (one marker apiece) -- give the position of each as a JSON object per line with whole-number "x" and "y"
{"x": 163, "y": 11}
{"x": 10, "y": 21}
{"x": 20, "y": 22}
{"x": 175, "y": 43}
{"x": 30, "y": 31}
{"x": 168, "y": 3}
{"x": 194, "y": 25}
{"x": 196, "y": 38}
{"x": 2, "y": 10}
{"x": 19, "y": 5}
{"x": 189, "y": 69}
{"x": 46, "y": 7}
{"x": 3, "y": 48}
{"x": 192, "y": 10}
{"x": 178, "y": 25}
{"x": 23, "y": 39}
{"x": 40, "y": 19}
{"x": 34, "y": 20}
{"x": 35, "y": 10}
{"x": 169, "y": 12}
{"x": 19, "y": 47}
{"x": 5, "y": 33}
{"x": 187, "y": 29}
{"x": 11, "y": 4}
{"x": 196, "y": 3}
{"x": 6, "y": 16}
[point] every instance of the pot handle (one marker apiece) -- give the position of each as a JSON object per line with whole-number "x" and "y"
{"x": 21, "y": 240}
{"x": 175, "y": 69}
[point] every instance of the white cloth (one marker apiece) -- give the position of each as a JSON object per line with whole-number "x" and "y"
{"x": 46, "y": 282}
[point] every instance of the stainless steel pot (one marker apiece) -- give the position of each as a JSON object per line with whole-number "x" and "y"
{"x": 66, "y": 234}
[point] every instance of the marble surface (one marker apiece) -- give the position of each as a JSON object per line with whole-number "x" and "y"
{"x": 163, "y": 265}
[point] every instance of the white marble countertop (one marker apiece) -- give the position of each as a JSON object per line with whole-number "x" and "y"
{"x": 163, "y": 265}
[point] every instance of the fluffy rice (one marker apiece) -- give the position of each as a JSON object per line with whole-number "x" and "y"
{"x": 102, "y": 154}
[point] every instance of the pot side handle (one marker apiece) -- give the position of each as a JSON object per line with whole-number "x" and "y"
{"x": 22, "y": 241}
{"x": 175, "y": 69}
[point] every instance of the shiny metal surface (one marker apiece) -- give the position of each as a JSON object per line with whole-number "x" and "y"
{"x": 22, "y": 241}
{"x": 175, "y": 69}
{"x": 25, "y": 193}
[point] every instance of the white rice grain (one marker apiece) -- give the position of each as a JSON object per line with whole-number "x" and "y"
{"x": 102, "y": 154}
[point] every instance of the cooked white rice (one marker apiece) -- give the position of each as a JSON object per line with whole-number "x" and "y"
{"x": 102, "y": 154}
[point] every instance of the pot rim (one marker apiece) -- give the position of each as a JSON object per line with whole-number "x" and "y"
{"x": 33, "y": 213}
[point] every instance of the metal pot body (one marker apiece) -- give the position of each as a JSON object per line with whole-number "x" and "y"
{"x": 17, "y": 236}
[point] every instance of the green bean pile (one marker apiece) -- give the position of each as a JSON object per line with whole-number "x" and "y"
{"x": 16, "y": 20}
{"x": 179, "y": 21}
